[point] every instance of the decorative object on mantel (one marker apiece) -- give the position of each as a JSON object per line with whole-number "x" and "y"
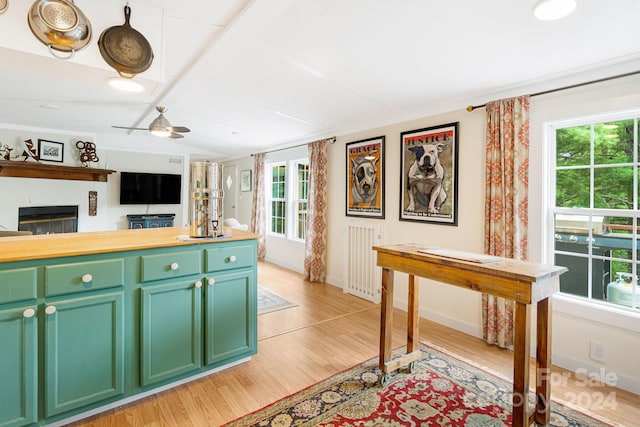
{"x": 4, "y": 5}
{"x": 43, "y": 170}
{"x": 93, "y": 203}
{"x": 5, "y": 152}
{"x": 51, "y": 151}
{"x": 30, "y": 151}
{"x": 87, "y": 152}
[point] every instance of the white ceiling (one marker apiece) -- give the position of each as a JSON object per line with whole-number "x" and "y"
{"x": 248, "y": 75}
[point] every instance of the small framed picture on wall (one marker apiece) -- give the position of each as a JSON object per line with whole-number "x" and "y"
{"x": 50, "y": 151}
{"x": 245, "y": 180}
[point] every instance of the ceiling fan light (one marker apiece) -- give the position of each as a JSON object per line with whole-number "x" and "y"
{"x": 161, "y": 132}
{"x": 549, "y": 10}
{"x": 126, "y": 85}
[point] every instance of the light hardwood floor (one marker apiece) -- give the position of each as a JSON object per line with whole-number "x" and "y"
{"x": 327, "y": 332}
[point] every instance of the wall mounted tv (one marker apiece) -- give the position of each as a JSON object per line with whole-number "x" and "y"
{"x": 137, "y": 188}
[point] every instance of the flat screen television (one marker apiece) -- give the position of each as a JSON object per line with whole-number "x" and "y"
{"x": 138, "y": 188}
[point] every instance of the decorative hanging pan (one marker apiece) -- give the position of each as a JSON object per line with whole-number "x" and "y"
{"x": 60, "y": 25}
{"x": 4, "y": 4}
{"x": 125, "y": 49}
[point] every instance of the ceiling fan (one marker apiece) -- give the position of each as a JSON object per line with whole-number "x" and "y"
{"x": 161, "y": 127}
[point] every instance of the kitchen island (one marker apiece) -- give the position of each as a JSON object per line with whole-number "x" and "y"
{"x": 89, "y": 321}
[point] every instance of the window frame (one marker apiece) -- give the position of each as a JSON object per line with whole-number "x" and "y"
{"x": 291, "y": 201}
{"x": 587, "y": 307}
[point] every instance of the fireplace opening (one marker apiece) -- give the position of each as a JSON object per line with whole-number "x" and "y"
{"x": 48, "y": 219}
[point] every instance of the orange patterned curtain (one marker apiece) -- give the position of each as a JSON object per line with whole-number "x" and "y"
{"x": 258, "y": 214}
{"x": 506, "y": 203}
{"x": 315, "y": 247}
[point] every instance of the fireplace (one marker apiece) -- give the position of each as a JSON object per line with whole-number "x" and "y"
{"x": 48, "y": 219}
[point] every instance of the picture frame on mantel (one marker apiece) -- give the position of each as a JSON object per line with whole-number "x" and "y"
{"x": 50, "y": 151}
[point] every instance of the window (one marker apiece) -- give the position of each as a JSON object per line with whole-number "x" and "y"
{"x": 595, "y": 208}
{"x": 287, "y": 198}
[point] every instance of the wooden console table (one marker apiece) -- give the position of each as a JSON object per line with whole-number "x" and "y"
{"x": 525, "y": 283}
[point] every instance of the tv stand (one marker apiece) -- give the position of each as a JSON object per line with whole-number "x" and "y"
{"x": 151, "y": 220}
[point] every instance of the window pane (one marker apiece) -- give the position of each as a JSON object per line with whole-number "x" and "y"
{"x": 613, "y": 142}
{"x": 573, "y": 146}
{"x": 572, "y": 188}
{"x": 303, "y": 180}
{"x": 301, "y": 226}
{"x": 613, "y": 188}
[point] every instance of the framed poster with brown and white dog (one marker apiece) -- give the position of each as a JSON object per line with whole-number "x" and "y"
{"x": 365, "y": 178}
{"x": 429, "y": 182}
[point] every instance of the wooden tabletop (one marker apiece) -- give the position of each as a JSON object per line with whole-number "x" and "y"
{"x": 521, "y": 281}
{"x": 21, "y": 248}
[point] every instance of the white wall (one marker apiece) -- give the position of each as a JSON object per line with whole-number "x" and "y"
{"x": 26, "y": 192}
{"x": 573, "y": 326}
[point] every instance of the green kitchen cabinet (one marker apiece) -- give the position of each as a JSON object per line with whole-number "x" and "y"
{"x": 230, "y": 316}
{"x": 171, "y": 329}
{"x": 18, "y": 366}
{"x": 83, "y": 351}
{"x": 81, "y": 333}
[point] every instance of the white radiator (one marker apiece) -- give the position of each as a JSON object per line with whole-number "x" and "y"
{"x": 361, "y": 275}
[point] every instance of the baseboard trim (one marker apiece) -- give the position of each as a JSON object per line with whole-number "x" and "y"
{"x": 467, "y": 328}
{"x": 593, "y": 371}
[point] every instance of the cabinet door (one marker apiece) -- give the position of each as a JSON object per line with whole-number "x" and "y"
{"x": 18, "y": 367}
{"x": 231, "y": 316}
{"x": 84, "y": 351}
{"x": 171, "y": 330}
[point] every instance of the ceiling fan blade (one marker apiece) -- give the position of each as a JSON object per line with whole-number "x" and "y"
{"x": 125, "y": 127}
{"x": 180, "y": 129}
{"x": 175, "y": 136}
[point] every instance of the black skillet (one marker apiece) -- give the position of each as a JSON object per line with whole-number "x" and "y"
{"x": 125, "y": 49}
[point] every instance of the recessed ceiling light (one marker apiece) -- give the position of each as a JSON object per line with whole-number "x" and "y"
{"x": 548, "y": 10}
{"x": 127, "y": 85}
{"x": 50, "y": 106}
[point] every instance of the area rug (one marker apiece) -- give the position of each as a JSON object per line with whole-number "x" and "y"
{"x": 442, "y": 390}
{"x": 269, "y": 301}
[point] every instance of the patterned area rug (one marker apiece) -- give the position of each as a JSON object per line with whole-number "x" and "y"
{"x": 269, "y": 301}
{"x": 443, "y": 390}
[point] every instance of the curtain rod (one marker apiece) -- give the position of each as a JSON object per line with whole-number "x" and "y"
{"x": 470, "y": 108}
{"x": 332, "y": 140}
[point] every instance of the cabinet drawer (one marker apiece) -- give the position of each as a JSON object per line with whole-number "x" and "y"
{"x": 83, "y": 276}
{"x": 230, "y": 257}
{"x": 166, "y": 266}
{"x": 18, "y": 284}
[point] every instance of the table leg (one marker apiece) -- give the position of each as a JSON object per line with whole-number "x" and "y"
{"x": 386, "y": 318}
{"x": 413, "y": 316}
{"x": 521, "y": 350}
{"x": 543, "y": 361}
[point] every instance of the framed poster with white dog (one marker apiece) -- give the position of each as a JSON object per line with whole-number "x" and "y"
{"x": 365, "y": 178}
{"x": 429, "y": 183}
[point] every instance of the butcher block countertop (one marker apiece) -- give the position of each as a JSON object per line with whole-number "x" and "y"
{"x": 22, "y": 248}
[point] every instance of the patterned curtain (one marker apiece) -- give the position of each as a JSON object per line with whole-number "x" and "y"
{"x": 506, "y": 204}
{"x": 258, "y": 214}
{"x": 315, "y": 246}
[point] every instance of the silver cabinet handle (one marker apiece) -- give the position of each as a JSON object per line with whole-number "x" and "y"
{"x": 232, "y": 258}
{"x": 573, "y": 239}
{"x": 87, "y": 278}
{"x": 175, "y": 266}
{"x": 211, "y": 281}
{"x": 50, "y": 309}
{"x": 29, "y": 312}
{"x": 199, "y": 284}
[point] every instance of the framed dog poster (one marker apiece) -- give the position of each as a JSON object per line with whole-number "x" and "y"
{"x": 429, "y": 183}
{"x": 365, "y": 178}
